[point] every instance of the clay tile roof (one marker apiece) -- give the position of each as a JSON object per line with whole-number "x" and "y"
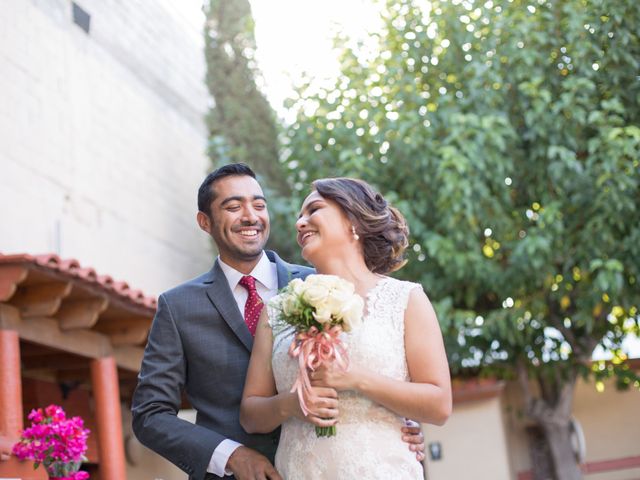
{"x": 88, "y": 274}
{"x": 72, "y": 267}
{"x": 105, "y": 280}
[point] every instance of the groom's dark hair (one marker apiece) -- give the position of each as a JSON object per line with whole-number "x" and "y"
{"x": 206, "y": 193}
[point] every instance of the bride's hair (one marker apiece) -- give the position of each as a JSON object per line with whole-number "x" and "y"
{"x": 382, "y": 229}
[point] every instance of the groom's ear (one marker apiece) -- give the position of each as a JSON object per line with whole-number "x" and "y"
{"x": 204, "y": 222}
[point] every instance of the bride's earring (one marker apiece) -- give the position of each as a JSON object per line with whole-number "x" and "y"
{"x": 356, "y": 237}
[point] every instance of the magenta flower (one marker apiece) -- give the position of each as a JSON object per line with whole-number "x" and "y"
{"x": 57, "y": 442}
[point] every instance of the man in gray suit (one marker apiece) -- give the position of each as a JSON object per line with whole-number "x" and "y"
{"x": 199, "y": 342}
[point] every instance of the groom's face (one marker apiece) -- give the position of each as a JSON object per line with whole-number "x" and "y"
{"x": 239, "y": 219}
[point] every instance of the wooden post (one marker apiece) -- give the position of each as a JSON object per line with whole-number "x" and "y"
{"x": 104, "y": 376}
{"x": 10, "y": 385}
{"x": 11, "y": 410}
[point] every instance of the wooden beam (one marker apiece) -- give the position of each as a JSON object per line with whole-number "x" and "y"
{"x": 81, "y": 374}
{"x": 132, "y": 335}
{"x": 10, "y": 278}
{"x": 83, "y": 313}
{"x": 45, "y": 331}
{"x": 32, "y": 350}
{"x": 129, "y": 358}
{"x": 125, "y": 331}
{"x": 42, "y": 300}
{"x": 9, "y": 317}
{"x": 54, "y": 361}
{"x": 107, "y": 325}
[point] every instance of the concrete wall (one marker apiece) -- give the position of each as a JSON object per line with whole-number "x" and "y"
{"x": 102, "y": 138}
{"x": 473, "y": 443}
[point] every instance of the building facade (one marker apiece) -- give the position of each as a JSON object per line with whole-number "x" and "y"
{"x": 102, "y": 135}
{"x": 102, "y": 149}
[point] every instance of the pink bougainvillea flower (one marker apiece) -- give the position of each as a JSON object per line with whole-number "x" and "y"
{"x": 57, "y": 442}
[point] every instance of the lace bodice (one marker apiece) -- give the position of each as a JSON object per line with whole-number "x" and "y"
{"x": 368, "y": 443}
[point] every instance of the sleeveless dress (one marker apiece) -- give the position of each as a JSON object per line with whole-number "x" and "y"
{"x": 368, "y": 444}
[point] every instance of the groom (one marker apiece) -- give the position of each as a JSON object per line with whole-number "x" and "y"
{"x": 200, "y": 342}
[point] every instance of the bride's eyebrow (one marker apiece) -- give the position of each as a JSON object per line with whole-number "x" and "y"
{"x": 306, "y": 207}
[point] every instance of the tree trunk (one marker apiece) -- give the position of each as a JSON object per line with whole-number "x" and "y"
{"x": 564, "y": 459}
{"x": 539, "y": 453}
{"x": 551, "y": 410}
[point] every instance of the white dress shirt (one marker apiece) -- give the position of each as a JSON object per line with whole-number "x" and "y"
{"x": 266, "y": 275}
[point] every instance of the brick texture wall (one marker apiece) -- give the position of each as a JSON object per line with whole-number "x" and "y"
{"x": 102, "y": 136}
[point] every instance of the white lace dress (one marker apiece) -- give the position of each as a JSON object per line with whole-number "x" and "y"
{"x": 369, "y": 442}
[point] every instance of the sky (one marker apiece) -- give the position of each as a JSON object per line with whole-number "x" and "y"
{"x": 296, "y": 35}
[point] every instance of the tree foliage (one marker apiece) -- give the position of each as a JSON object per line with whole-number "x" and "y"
{"x": 508, "y": 132}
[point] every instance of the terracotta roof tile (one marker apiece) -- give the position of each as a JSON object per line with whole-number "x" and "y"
{"x": 73, "y": 268}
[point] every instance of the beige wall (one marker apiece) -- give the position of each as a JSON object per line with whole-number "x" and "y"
{"x": 102, "y": 137}
{"x": 611, "y": 424}
{"x": 473, "y": 443}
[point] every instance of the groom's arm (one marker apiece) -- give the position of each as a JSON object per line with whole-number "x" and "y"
{"x": 158, "y": 397}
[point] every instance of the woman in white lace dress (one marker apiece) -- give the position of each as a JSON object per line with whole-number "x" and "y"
{"x": 398, "y": 368}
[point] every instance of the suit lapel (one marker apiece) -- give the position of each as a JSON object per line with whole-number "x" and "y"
{"x": 222, "y": 298}
{"x": 286, "y": 271}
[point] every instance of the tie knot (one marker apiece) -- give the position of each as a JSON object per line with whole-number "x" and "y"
{"x": 248, "y": 282}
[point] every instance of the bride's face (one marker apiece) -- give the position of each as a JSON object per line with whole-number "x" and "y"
{"x": 323, "y": 228}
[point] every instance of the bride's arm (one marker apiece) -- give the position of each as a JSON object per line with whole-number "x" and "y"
{"x": 427, "y": 398}
{"x": 263, "y": 409}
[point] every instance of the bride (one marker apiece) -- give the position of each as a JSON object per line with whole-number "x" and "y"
{"x": 398, "y": 367}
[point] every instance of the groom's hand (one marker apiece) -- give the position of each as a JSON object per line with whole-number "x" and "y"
{"x": 247, "y": 464}
{"x": 412, "y": 434}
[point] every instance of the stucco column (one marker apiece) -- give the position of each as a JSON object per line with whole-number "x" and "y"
{"x": 10, "y": 384}
{"x": 104, "y": 376}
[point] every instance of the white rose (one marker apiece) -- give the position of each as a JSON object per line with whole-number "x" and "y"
{"x": 313, "y": 279}
{"x": 315, "y": 293}
{"x": 337, "y": 299}
{"x": 290, "y": 305}
{"x": 296, "y": 286}
{"x": 351, "y": 313}
{"x": 329, "y": 281}
{"x": 322, "y": 314}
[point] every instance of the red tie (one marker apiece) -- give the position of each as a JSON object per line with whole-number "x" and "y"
{"x": 254, "y": 304}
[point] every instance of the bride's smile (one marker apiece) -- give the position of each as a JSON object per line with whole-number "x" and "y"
{"x": 303, "y": 236}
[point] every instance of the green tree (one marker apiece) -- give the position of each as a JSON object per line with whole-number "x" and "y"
{"x": 508, "y": 133}
{"x": 242, "y": 125}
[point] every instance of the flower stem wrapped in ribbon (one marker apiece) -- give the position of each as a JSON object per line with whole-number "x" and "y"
{"x": 55, "y": 441}
{"x": 319, "y": 308}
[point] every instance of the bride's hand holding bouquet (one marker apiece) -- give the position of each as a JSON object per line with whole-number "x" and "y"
{"x": 319, "y": 308}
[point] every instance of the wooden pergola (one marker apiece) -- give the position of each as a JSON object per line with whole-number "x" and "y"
{"x": 68, "y": 335}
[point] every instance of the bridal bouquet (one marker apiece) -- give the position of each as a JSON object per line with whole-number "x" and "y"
{"x": 55, "y": 441}
{"x": 319, "y": 308}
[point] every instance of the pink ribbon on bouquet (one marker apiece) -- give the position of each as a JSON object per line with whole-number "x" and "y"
{"x": 313, "y": 348}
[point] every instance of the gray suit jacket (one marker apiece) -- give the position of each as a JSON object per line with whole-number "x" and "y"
{"x": 199, "y": 344}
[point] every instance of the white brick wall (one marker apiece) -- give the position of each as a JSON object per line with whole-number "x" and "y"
{"x": 102, "y": 138}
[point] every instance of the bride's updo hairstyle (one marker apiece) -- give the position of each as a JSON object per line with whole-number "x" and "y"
{"x": 382, "y": 229}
